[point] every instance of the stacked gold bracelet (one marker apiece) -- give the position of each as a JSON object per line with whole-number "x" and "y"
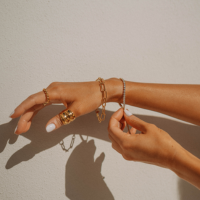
{"x": 103, "y": 101}
{"x": 124, "y": 93}
{"x": 104, "y": 97}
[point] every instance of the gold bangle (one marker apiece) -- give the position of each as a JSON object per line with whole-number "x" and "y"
{"x": 103, "y": 101}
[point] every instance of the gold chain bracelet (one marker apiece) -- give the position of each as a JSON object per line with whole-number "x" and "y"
{"x": 103, "y": 101}
{"x": 124, "y": 93}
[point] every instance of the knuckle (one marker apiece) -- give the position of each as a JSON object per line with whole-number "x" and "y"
{"x": 78, "y": 111}
{"x": 151, "y": 127}
{"x": 126, "y": 157}
{"x": 31, "y": 97}
{"x": 53, "y": 84}
{"x": 58, "y": 122}
{"x": 56, "y": 86}
{"x": 160, "y": 131}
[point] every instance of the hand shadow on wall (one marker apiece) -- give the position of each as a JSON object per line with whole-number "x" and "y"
{"x": 187, "y": 135}
{"x": 41, "y": 140}
{"x": 83, "y": 174}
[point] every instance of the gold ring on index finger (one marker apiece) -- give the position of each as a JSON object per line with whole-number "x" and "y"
{"x": 47, "y": 97}
{"x": 66, "y": 116}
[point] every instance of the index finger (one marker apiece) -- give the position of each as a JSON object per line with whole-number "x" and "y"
{"x": 113, "y": 127}
{"x": 32, "y": 100}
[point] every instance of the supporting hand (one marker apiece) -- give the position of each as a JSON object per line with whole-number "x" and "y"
{"x": 152, "y": 145}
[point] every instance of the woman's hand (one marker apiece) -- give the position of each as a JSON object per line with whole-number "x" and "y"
{"x": 79, "y": 97}
{"x": 152, "y": 145}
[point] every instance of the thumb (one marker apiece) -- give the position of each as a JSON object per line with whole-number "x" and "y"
{"x": 99, "y": 160}
{"x": 55, "y": 122}
{"x": 135, "y": 122}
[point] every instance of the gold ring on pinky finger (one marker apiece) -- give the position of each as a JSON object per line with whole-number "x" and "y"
{"x": 66, "y": 116}
{"x": 47, "y": 97}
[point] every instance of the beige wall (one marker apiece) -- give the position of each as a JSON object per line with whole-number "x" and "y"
{"x": 46, "y": 41}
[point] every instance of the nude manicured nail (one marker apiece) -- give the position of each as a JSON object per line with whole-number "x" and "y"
{"x": 11, "y": 113}
{"x": 50, "y": 127}
{"x": 15, "y": 130}
{"x": 128, "y": 113}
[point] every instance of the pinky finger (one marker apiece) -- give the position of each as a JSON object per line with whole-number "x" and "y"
{"x": 115, "y": 145}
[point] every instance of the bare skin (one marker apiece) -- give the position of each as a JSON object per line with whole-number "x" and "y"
{"x": 155, "y": 146}
{"x": 152, "y": 146}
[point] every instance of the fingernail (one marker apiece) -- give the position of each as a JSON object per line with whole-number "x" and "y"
{"x": 11, "y": 113}
{"x": 128, "y": 113}
{"x": 50, "y": 127}
{"x": 15, "y": 130}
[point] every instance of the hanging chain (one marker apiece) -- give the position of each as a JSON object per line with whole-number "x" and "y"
{"x": 71, "y": 144}
{"x": 100, "y": 117}
{"x": 103, "y": 101}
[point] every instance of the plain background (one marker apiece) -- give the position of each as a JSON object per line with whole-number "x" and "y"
{"x": 46, "y": 41}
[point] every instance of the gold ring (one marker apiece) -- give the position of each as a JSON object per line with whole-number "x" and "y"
{"x": 47, "y": 97}
{"x": 66, "y": 116}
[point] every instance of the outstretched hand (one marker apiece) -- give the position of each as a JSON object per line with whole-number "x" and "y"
{"x": 81, "y": 98}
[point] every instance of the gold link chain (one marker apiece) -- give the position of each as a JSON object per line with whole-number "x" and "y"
{"x": 71, "y": 144}
{"x": 103, "y": 101}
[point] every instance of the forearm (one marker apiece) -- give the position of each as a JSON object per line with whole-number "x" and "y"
{"x": 180, "y": 101}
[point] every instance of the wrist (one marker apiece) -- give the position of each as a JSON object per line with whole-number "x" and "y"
{"x": 186, "y": 166}
{"x": 114, "y": 87}
{"x": 178, "y": 156}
